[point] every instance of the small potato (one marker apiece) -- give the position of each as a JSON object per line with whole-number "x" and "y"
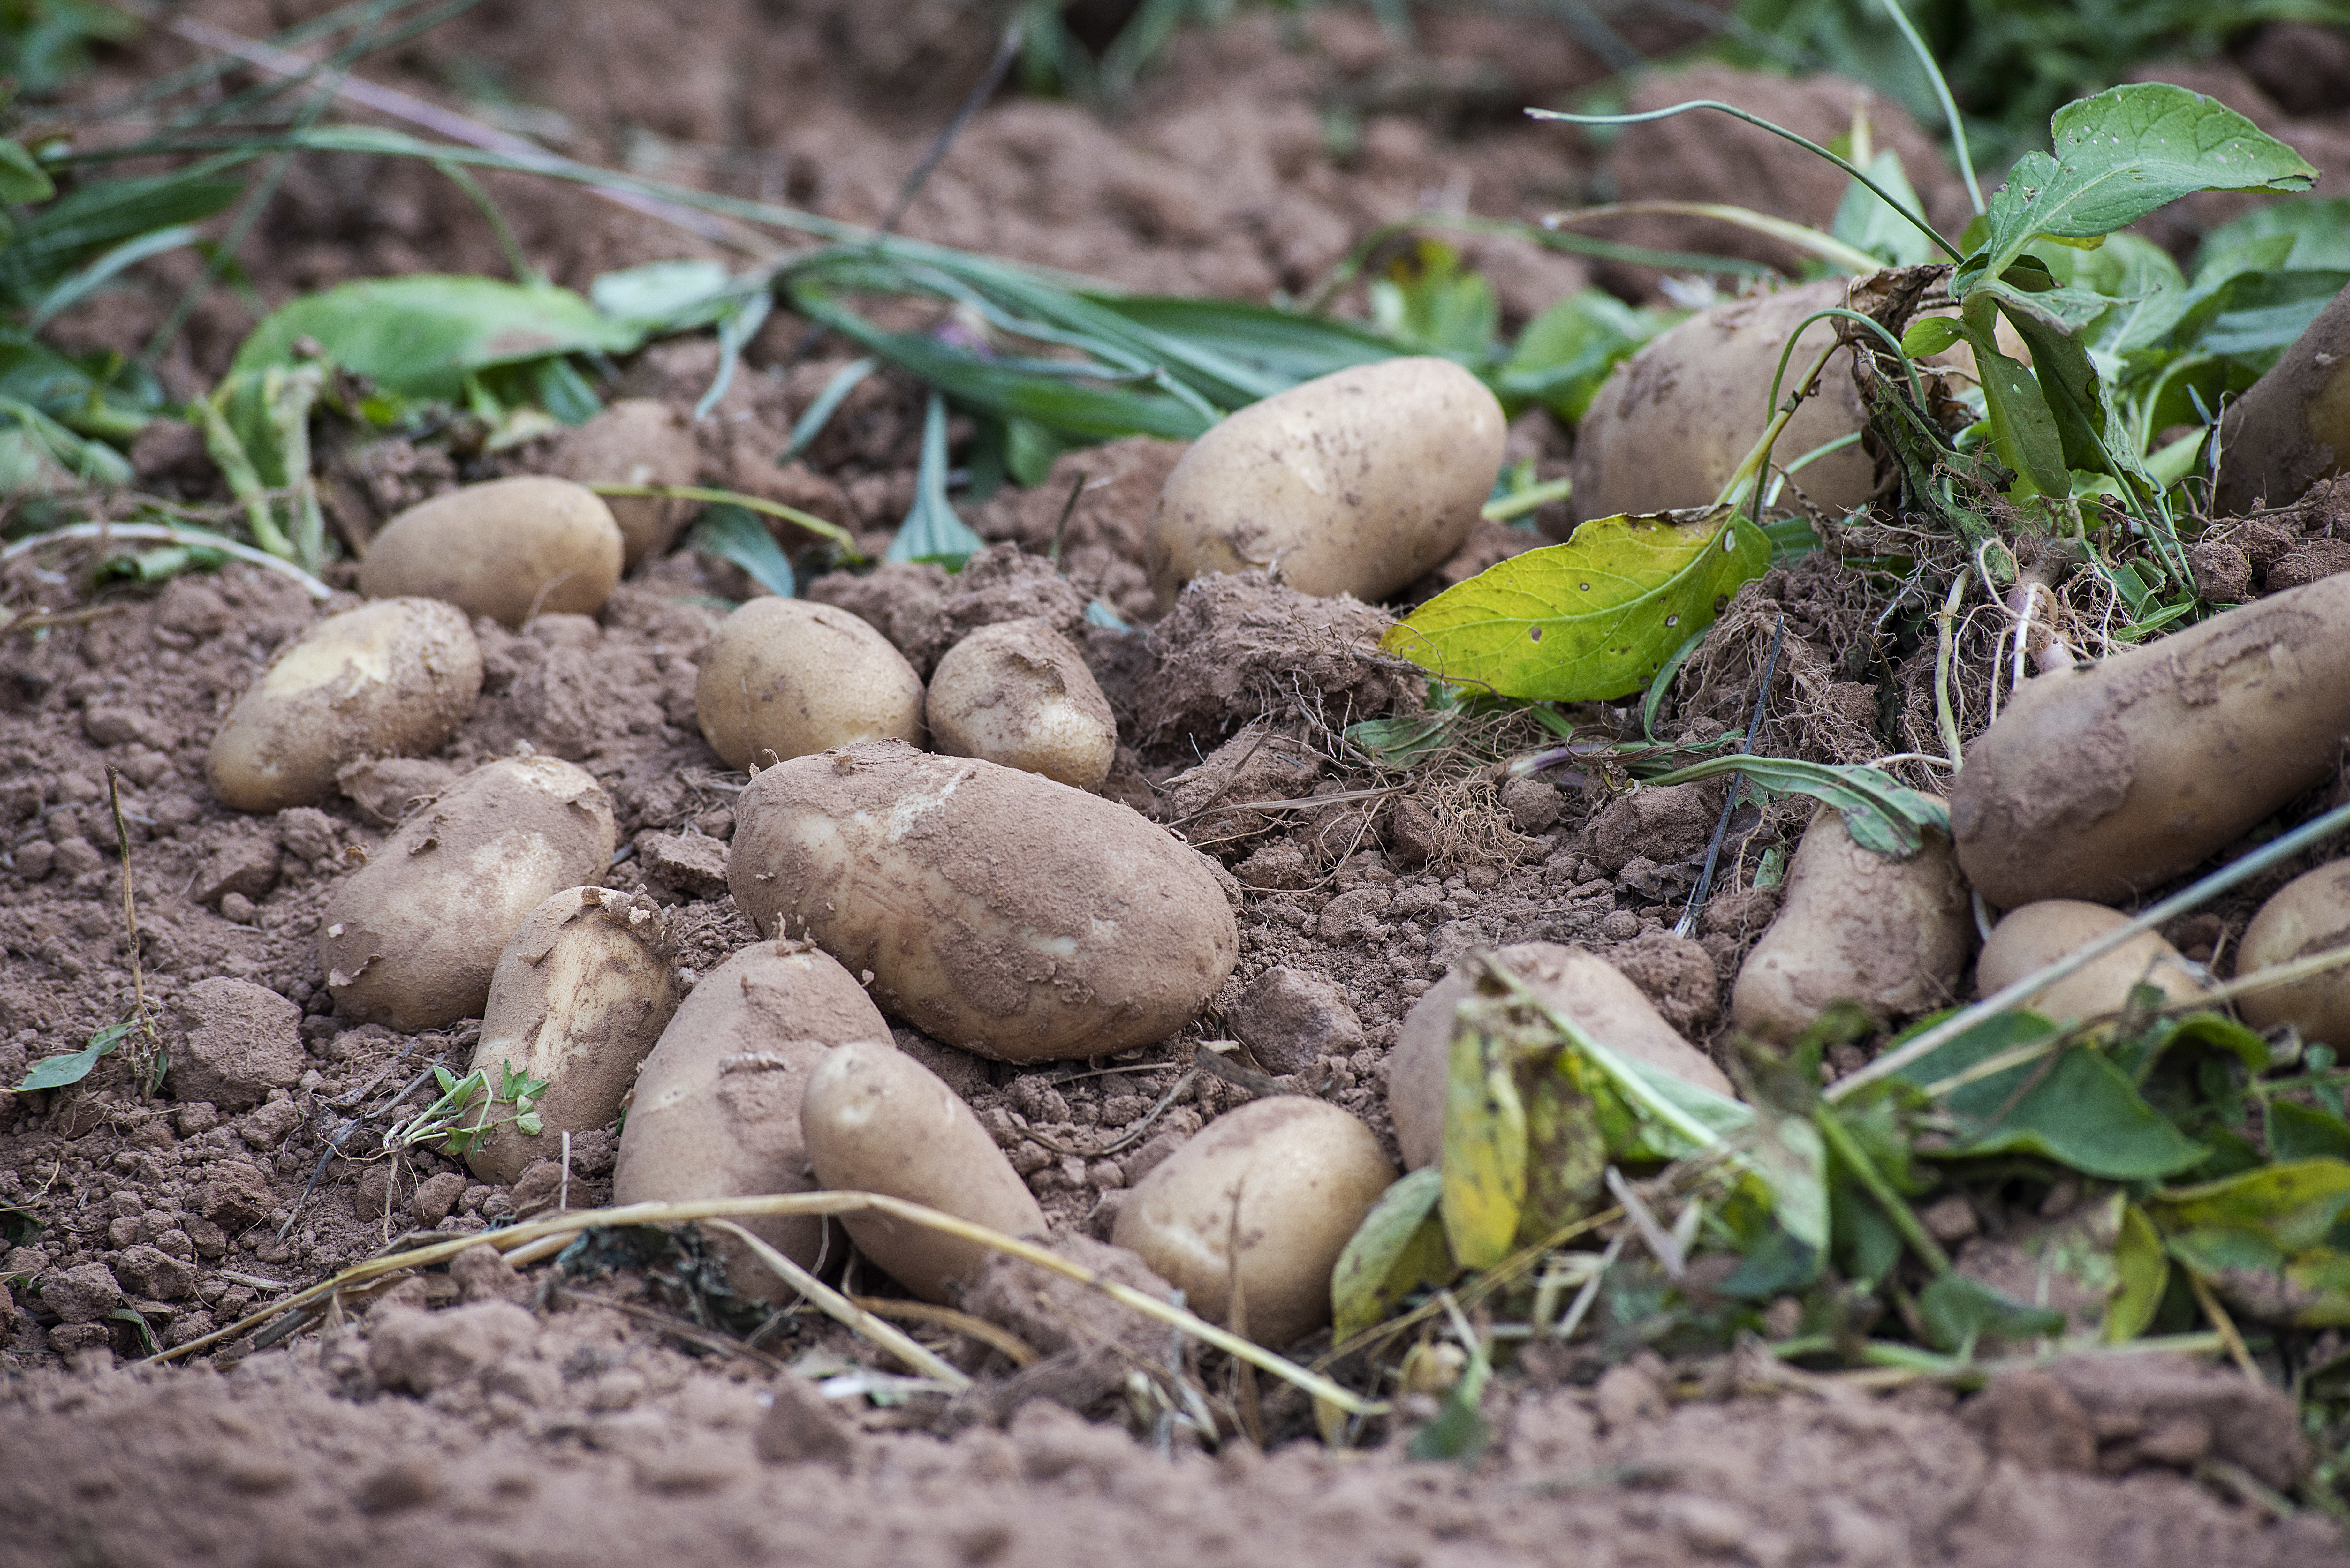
{"x": 1892, "y": 935}
{"x": 2105, "y": 779}
{"x": 717, "y": 1107}
{"x": 1670, "y": 426}
{"x": 411, "y": 938}
{"x": 392, "y": 678}
{"x": 1286, "y": 1178}
{"x": 785, "y": 678}
{"x": 1588, "y": 989}
{"x": 636, "y": 441}
{"x": 580, "y": 995}
{"x": 876, "y": 1120}
{"x": 509, "y": 549}
{"x": 2309, "y": 915}
{"x": 999, "y": 911}
{"x": 1355, "y": 483}
{"x": 2039, "y": 934}
{"x": 1019, "y": 694}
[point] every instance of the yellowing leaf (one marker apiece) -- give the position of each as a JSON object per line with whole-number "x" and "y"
{"x": 1485, "y": 1157}
{"x": 1591, "y": 619}
{"x": 2145, "y": 1270}
{"x": 1398, "y": 1248}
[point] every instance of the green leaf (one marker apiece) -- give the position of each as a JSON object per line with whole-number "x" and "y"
{"x": 1485, "y": 1160}
{"x": 2022, "y": 429}
{"x": 1563, "y": 355}
{"x": 1958, "y": 1311}
{"x": 736, "y": 533}
{"x": 2290, "y": 1207}
{"x": 2121, "y": 155}
{"x": 2318, "y": 230}
{"x": 1404, "y": 742}
{"x": 818, "y": 414}
{"x": 1458, "y": 1433}
{"x": 664, "y": 298}
{"x": 2144, "y": 1269}
{"x": 1880, "y": 812}
{"x": 1930, "y": 335}
{"x": 1428, "y": 300}
{"x": 932, "y": 531}
{"x": 21, "y": 179}
{"x": 2303, "y": 1132}
{"x": 99, "y": 214}
{"x": 1398, "y": 1249}
{"x": 1863, "y": 219}
{"x": 1591, "y": 619}
{"x": 57, "y": 1072}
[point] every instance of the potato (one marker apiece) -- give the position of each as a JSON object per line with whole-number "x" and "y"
{"x": 1671, "y": 425}
{"x": 876, "y": 1120}
{"x": 2101, "y": 779}
{"x": 1301, "y": 1173}
{"x": 392, "y": 679}
{"x": 2039, "y": 934}
{"x": 1355, "y": 483}
{"x": 2309, "y": 915}
{"x": 636, "y": 441}
{"x": 510, "y": 549}
{"x": 999, "y": 911}
{"x": 580, "y": 995}
{"x": 1892, "y": 935}
{"x": 1019, "y": 694}
{"x": 717, "y": 1106}
{"x": 784, "y": 677}
{"x": 2292, "y": 429}
{"x": 1586, "y": 989}
{"x": 411, "y": 938}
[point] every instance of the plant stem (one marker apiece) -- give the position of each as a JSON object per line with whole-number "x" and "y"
{"x": 1841, "y": 1143}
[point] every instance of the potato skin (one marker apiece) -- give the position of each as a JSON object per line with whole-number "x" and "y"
{"x": 392, "y": 679}
{"x": 1668, "y": 428}
{"x": 785, "y": 678}
{"x": 1019, "y": 694}
{"x": 1001, "y": 912}
{"x": 717, "y": 1106}
{"x": 1303, "y": 1174}
{"x": 411, "y": 938}
{"x": 1354, "y": 483}
{"x": 2310, "y": 914}
{"x": 580, "y": 993}
{"x": 2098, "y": 781}
{"x": 509, "y": 549}
{"x": 635, "y": 440}
{"x": 2292, "y": 428}
{"x": 1892, "y": 935}
{"x": 876, "y": 1120}
{"x": 1586, "y": 988}
{"x": 2038, "y": 934}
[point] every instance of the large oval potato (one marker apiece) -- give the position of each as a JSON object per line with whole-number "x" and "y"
{"x": 1856, "y": 926}
{"x": 1671, "y": 425}
{"x": 2292, "y": 429}
{"x": 717, "y": 1107}
{"x": 1586, "y": 989}
{"x": 2101, "y": 780}
{"x": 2036, "y": 935}
{"x": 998, "y": 911}
{"x": 2309, "y": 915}
{"x": 1019, "y": 694}
{"x": 635, "y": 440}
{"x": 580, "y": 993}
{"x": 1354, "y": 483}
{"x": 1285, "y": 1182}
{"x": 785, "y": 678}
{"x": 509, "y": 549}
{"x": 876, "y": 1120}
{"x": 411, "y": 938}
{"x": 392, "y": 678}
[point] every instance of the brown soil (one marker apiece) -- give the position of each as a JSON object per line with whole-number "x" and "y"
{"x": 599, "y": 1413}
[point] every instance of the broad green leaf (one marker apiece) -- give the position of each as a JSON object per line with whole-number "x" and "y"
{"x": 1591, "y": 619}
{"x": 57, "y": 1071}
{"x": 2121, "y": 155}
{"x": 1485, "y": 1159}
{"x": 1863, "y": 219}
{"x": 2023, "y": 432}
{"x": 2303, "y": 1132}
{"x": 662, "y": 298}
{"x": 21, "y": 179}
{"x": 2318, "y": 228}
{"x": 1793, "y": 1161}
{"x": 1880, "y": 812}
{"x": 422, "y": 334}
{"x": 2144, "y": 1271}
{"x": 1958, "y": 1311}
{"x": 1563, "y": 355}
{"x": 1428, "y": 300}
{"x": 735, "y": 534}
{"x": 2289, "y": 1205}
{"x": 1398, "y": 1249}
{"x": 932, "y": 531}
{"x": 1930, "y": 335}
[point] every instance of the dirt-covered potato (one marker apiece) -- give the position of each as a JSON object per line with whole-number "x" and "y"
{"x": 1586, "y": 989}
{"x": 999, "y": 911}
{"x": 509, "y": 549}
{"x": 411, "y": 938}
{"x": 784, "y": 678}
{"x": 2310, "y": 914}
{"x": 717, "y": 1106}
{"x": 1355, "y": 483}
{"x": 2292, "y": 429}
{"x": 1855, "y": 926}
{"x": 1019, "y": 694}
{"x": 2039, "y": 934}
{"x": 2101, "y": 779}
{"x": 876, "y": 1120}
{"x": 636, "y": 441}
{"x": 580, "y": 995}
{"x": 1669, "y": 427}
{"x": 388, "y": 680}
{"x": 1301, "y": 1174}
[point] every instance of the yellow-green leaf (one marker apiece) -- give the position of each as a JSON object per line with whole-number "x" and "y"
{"x": 2145, "y": 1270}
{"x": 1398, "y": 1248}
{"x": 1484, "y": 1161}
